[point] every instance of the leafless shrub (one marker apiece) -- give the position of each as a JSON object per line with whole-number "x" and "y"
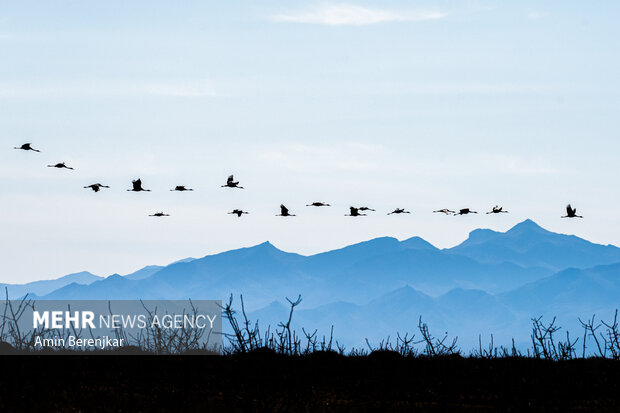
{"x": 607, "y": 342}
{"x": 488, "y": 352}
{"x": 245, "y": 336}
{"x": 10, "y": 330}
{"x": 404, "y": 345}
{"x": 612, "y": 334}
{"x": 544, "y": 342}
{"x": 435, "y": 346}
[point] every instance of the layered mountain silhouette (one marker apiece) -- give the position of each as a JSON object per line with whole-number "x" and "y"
{"x": 493, "y": 282}
{"x": 47, "y": 286}
{"x": 529, "y": 245}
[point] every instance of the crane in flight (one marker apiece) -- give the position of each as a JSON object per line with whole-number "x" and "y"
{"x": 159, "y": 214}
{"x": 399, "y": 211}
{"x": 26, "y": 147}
{"x": 231, "y": 183}
{"x": 137, "y": 186}
{"x": 445, "y": 211}
{"x": 354, "y": 212}
{"x": 571, "y": 212}
{"x": 465, "y": 211}
{"x": 181, "y": 188}
{"x": 318, "y": 204}
{"x": 238, "y": 212}
{"x": 96, "y": 187}
{"x": 60, "y": 165}
{"x": 284, "y": 212}
{"x": 497, "y": 210}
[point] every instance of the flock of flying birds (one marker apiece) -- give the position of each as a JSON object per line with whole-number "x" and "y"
{"x": 284, "y": 211}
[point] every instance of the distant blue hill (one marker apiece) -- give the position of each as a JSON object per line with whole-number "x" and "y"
{"x": 529, "y": 245}
{"x": 44, "y": 287}
{"x": 569, "y": 292}
{"x": 142, "y": 273}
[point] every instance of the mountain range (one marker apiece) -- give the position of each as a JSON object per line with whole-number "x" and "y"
{"x": 493, "y": 282}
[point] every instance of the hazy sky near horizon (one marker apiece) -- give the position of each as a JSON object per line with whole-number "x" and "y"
{"x": 421, "y": 105}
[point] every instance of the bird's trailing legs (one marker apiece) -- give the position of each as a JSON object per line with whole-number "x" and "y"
{"x": 96, "y": 187}
{"x": 465, "y": 211}
{"x": 399, "y": 211}
{"x": 231, "y": 183}
{"x": 181, "y": 188}
{"x": 354, "y": 212}
{"x": 284, "y": 212}
{"x": 445, "y": 211}
{"x": 60, "y": 165}
{"x": 238, "y": 212}
{"x": 137, "y": 186}
{"x": 571, "y": 212}
{"x": 497, "y": 210}
{"x": 26, "y": 147}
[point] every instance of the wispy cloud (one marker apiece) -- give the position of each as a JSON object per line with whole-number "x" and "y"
{"x": 202, "y": 88}
{"x": 347, "y": 14}
{"x": 70, "y": 89}
{"x": 535, "y": 15}
{"x": 350, "y": 156}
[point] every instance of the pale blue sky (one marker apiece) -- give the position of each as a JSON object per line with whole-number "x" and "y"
{"x": 422, "y": 105}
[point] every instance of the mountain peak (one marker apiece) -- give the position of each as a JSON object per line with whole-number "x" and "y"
{"x": 417, "y": 243}
{"x": 481, "y": 235}
{"x": 526, "y": 226}
{"x": 266, "y": 245}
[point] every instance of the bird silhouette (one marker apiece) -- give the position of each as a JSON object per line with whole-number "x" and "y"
{"x": 318, "y": 204}
{"x": 181, "y": 188}
{"x": 445, "y": 211}
{"x": 159, "y": 214}
{"x": 284, "y": 212}
{"x": 399, "y": 211}
{"x": 59, "y": 166}
{"x": 231, "y": 183}
{"x": 137, "y": 186}
{"x": 238, "y": 212}
{"x": 26, "y": 147}
{"x": 96, "y": 187}
{"x": 465, "y": 211}
{"x": 365, "y": 208}
{"x": 354, "y": 212}
{"x": 497, "y": 210}
{"x": 571, "y": 212}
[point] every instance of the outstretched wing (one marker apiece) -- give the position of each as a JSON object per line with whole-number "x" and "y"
{"x": 137, "y": 184}
{"x": 230, "y": 179}
{"x": 569, "y": 210}
{"x": 283, "y": 209}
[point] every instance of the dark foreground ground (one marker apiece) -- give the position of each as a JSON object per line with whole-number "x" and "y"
{"x": 318, "y": 382}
